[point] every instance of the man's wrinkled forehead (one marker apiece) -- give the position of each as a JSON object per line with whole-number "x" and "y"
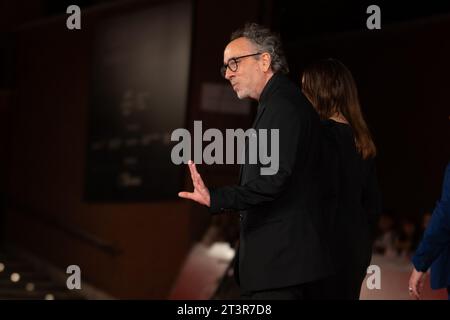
{"x": 238, "y": 47}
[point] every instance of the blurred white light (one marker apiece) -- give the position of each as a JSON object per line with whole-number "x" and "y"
{"x": 15, "y": 277}
{"x": 49, "y": 296}
{"x": 221, "y": 251}
{"x": 2, "y": 267}
{"x": 29, "y": 286}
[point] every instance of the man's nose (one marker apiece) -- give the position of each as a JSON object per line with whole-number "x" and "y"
{"x": 228, "y": 74}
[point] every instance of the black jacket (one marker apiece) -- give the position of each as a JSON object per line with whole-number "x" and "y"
{"x": 282, "y": 224}
{"x": 358, "y": 201}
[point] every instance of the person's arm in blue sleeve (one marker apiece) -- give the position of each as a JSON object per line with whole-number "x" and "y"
{"x": 437, "y": 233}
{"x": 435, "y": 239}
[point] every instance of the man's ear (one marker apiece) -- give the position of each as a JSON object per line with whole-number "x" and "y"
{"x": 266, "y": 60}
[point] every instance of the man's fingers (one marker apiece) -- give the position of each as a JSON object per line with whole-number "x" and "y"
{"x": 201, "y": 185}
{"x": 195, "y": 173}
{"x": 192, "y": 196}
{"x": 186, "y": 195}
{"x": 192, "y": 172}
{"x": 194, "y": 180}
{"x": 196, "y": 177}
{"x": 193, "y": 167}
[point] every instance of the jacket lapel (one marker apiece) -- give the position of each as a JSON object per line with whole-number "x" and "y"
{"x": 255, "y": 123}
{"x": 261, "y": 108}
{"x": 258, "y": 116}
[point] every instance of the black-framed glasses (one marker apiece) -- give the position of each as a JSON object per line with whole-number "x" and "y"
{"x": 233, "y": 63}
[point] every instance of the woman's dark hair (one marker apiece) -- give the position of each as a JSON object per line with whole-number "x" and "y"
{"x": 330, "y": 87}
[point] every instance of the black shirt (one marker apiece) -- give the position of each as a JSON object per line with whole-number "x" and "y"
{"x": 357, "y": 203}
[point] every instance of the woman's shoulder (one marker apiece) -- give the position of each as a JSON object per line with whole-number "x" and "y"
{"x": 332, "y": 124}
{"x": 338, "y": 130}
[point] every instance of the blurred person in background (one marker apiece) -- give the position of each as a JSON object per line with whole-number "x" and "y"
{"x": 434, "y": 249}
{"x": 386, "y": 234}
{"x": 406, "y": 239}
{"x": 330, "y": 87}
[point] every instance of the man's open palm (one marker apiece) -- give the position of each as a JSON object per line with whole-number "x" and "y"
{"x": 201, "y": 192}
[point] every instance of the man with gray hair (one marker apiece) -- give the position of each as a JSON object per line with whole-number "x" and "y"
{"x": 282, "y": 253}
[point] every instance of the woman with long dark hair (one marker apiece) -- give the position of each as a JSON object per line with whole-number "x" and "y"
{"x": 330, "y": 87}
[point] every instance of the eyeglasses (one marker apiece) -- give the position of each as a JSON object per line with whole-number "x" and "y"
{"x": 233, "y": 63}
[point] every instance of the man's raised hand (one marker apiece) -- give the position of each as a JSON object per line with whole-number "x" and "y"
{"x": 201, "y": 192}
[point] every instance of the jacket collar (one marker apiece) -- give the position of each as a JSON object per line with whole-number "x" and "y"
{"x": 269, "y": 88}
{"x": 265, "y": 95}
